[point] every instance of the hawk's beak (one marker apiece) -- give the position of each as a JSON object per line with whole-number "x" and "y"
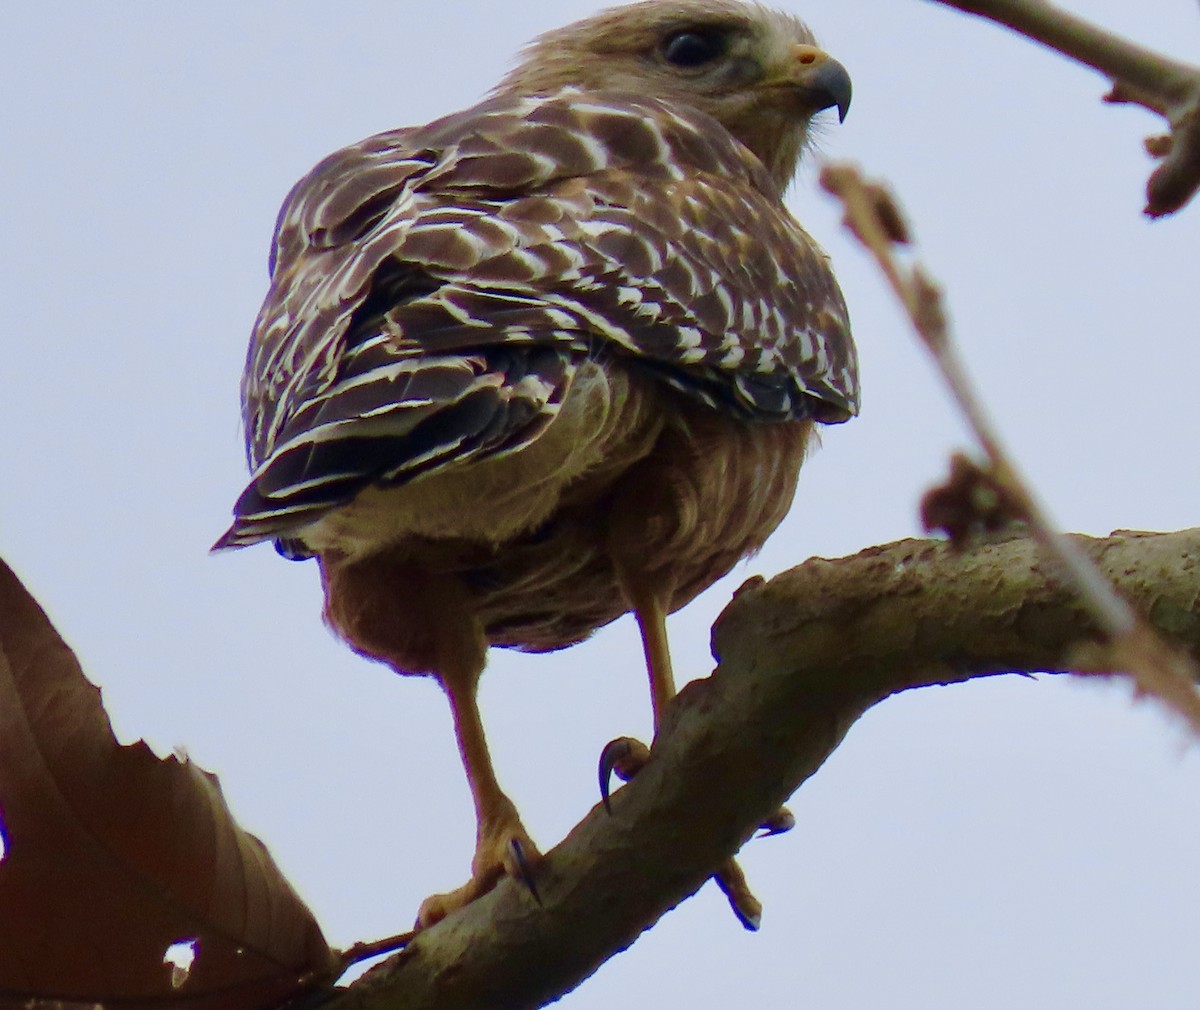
{"x": 823, "y": 82}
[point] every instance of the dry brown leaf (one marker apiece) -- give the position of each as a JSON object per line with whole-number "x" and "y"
{"x": 970, "y": 503}
{"x": 111, "y": 855}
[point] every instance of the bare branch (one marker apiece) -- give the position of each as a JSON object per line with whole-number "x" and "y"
{"x": 1138, "y": 75}
{"x": 801, "y": 658}
{"x": 1114, "y": 56}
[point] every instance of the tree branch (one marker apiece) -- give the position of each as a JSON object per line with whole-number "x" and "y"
{"x": 1138, "y": 75}
{"x": 800, "y": 659}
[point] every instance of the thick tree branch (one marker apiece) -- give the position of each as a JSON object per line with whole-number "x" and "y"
{"x": 1139, "y": 75}
{"x": 800, "y": 659}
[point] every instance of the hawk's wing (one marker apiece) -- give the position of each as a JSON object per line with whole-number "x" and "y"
{"x": 433, "y": 289}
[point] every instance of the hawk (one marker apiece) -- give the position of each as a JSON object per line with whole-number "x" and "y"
{"x": 550, "y": 359}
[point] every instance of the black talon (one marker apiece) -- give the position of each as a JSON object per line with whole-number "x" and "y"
{"x": 613, "y": 752}
{"x": 625, "y": 756}
{"x": 779, "y": 822}
{"x": 524, "y": 870}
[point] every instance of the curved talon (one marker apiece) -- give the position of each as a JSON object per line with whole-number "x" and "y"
{"x": 625, "y": 756}
{"x": 524, "y": 871}
{"x": 613, "y": 751}
{"x": 779, "y": 822}
{"x": 751, "y": 920}
{"x": 732, "y": 881}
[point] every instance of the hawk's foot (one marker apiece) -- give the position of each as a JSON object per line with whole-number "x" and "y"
{"x": 504, "y": 849}
{"x": 625, "y": 757}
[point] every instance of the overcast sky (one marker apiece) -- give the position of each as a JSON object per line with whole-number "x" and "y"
{"x": 1005, "y": 843}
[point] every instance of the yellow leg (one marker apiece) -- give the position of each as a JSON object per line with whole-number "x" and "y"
{"x": 395, "y": 610}
{"x": 651, "y": 616}
{"x": 502, "y": 845}
{"x": 650, "y": 609}
{"x": 491, "y": 805}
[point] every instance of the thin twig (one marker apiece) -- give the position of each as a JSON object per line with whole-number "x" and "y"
{"x": 873, "y": 215}
{"x": 365, "y": 949}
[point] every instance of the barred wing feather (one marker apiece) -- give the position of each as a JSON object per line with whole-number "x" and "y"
{"x": 433, "y": 290}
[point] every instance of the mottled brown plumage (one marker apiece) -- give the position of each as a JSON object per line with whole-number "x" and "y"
{"x": 551, "y": 359}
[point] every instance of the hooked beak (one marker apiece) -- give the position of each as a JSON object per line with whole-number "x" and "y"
{"x": 820, "y": 79}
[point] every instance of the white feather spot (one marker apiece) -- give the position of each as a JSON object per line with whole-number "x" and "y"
{"x": 594, "y": 227}
{"x": 534, "y": 388}
{"x": 597, "y": 109}
{"x": 595, "y": 150}
{"x": 733, "y": 357}
{"x": 722, "y": 293}
{"x": 458, "y": 312}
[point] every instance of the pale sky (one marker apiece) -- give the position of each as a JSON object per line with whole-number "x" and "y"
{"x": 1005, "y": 843}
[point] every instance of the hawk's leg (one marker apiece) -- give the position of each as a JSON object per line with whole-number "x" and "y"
{"x": 626, "y": 755}
{"x": 502, "y": 845}
{"x": 651, "y": 613}
{"x": 392, "y": 608}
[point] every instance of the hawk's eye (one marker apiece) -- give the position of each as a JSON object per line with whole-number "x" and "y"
{"x": 693, "y": 48}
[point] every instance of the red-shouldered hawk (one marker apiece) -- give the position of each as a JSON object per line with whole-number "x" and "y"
{"x": 550, "y": 359}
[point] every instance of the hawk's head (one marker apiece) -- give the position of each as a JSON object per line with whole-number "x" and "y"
{"x": 753, "y": 69}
